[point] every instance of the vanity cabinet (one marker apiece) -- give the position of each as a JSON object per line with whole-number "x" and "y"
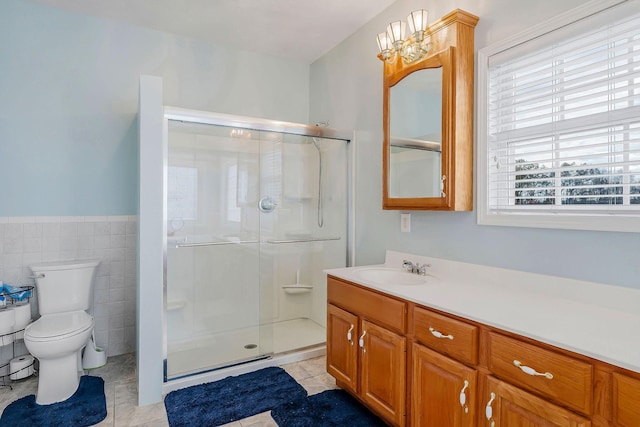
{"x": 439, "y": 369}
{"x": 366, "y": 348}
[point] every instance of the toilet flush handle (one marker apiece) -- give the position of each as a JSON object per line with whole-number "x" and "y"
{"x": 37, "y": 276}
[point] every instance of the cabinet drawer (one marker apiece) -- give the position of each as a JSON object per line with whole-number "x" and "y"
{"x": 567, "y": 381}
{"x": 446, "y": 335}
{"x": 370, "y": 305}
{"x": 509, "y": 406}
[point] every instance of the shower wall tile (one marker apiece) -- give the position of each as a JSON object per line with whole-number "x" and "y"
{"x": 112, "y": 239}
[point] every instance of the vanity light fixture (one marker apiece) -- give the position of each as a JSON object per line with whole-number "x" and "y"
{"x": 411, "y": 48}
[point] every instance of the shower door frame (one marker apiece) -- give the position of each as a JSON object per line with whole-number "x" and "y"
{"x": 257, "y": 124}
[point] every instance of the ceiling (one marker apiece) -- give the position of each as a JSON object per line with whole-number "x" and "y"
{"x": 301, "y": 30}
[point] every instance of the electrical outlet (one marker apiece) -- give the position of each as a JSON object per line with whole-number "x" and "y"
{"x": 405, "y": 223}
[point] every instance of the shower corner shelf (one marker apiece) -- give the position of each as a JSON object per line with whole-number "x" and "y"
{"x": 297, "y": 289}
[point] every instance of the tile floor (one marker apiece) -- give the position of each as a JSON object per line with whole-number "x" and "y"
{"x": 120, "y": 388}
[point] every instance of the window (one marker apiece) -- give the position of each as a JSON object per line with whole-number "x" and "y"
{"x": 559, "y": 123}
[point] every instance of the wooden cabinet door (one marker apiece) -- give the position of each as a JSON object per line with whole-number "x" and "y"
{"x": 383, "y": 371}
{"x": 443, "y": 391}
{"x": 342, "y": 347}
{"x": 509, "y": 406}
{"x": 626, "y": 401}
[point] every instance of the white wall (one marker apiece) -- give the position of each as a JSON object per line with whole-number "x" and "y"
{"x": 346, "y": 89}
{"x": 68, "y": 131}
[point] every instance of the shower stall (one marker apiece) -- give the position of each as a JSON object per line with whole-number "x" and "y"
{"x": 254, "y": 211}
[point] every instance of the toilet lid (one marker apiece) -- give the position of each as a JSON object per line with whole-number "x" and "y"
{"x": 57, "y": 325}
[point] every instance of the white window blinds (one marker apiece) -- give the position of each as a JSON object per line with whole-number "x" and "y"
{"x": 563, "y": 122}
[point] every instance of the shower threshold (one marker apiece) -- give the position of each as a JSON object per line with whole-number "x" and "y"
{"x": 226, "y": 349}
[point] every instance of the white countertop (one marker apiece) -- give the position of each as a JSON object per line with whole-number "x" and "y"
{"x": 596, "y": 320}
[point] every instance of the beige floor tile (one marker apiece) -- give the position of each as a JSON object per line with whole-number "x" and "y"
{"x": 126, "y": 392}
{"x": 109, "y": 392}
{"x": 317, "y": 384}
{"x": 127, "y": 413}
{"x": 315, "y": 366}
{"x": 306, "y": 369}
{"x": 297, "y": 371}
{"x": 260, "y": 420}
{"x": 18, "y": 389}
{"x": 155, "y": 423}
{"x": 118, "y": 368}
{"x": 131, "y": 415}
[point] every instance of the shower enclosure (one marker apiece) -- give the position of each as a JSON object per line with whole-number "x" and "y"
{"x": 255, "y": 210}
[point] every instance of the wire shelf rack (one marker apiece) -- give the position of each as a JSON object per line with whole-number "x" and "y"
{"x": 14, "y": 296}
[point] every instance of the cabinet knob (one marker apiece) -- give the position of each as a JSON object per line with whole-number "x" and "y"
{"x": 349, "y": 336}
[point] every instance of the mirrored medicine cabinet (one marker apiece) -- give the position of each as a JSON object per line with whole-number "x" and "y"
{"x": 428, "y": 121}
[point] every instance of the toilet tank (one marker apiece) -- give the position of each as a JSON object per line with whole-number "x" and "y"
{"x": 65, "y": 285}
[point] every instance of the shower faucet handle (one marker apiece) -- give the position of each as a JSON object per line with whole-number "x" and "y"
{"x": 267, "y": 204}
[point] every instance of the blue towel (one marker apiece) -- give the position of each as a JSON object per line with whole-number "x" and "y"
{"x": 16, "y": 293}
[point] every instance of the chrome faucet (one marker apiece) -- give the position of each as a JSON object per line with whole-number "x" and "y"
{"x": 415, "y": 268}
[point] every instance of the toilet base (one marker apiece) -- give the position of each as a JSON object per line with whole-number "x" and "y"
{"x": 58, "y": 379}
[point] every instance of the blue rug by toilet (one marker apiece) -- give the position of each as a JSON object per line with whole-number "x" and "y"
{"x": 232, "y": 398}
{"x": 331, "y": 408}
{"x": 86, "y": 407}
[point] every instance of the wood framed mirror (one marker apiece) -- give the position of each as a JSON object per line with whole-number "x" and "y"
{"x": 428, "y": 122}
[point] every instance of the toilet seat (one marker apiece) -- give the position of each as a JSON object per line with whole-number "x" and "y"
{"x": 54, "y": 327}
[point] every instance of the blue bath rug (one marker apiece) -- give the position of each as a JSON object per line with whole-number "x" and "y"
{"x": 86, "y": 407}
{"x": 232, "y": 398}
{"x": 331, "y": 408}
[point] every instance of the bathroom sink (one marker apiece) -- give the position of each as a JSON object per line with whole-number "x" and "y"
{"x": 387, "y": 276}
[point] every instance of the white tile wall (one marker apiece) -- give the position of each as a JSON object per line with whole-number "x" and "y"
{"x": 112, "y": 239}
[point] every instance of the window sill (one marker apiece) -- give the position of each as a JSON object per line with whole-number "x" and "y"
{"x": 617, "y": 223}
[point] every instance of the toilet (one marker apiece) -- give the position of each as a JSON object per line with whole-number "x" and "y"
{"x": 56, "y": 339}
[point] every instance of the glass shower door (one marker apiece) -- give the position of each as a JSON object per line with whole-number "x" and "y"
{"x": 214, "y": 304}
{"x": 252, "y": 219}
{"x": 303, "y": 232}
